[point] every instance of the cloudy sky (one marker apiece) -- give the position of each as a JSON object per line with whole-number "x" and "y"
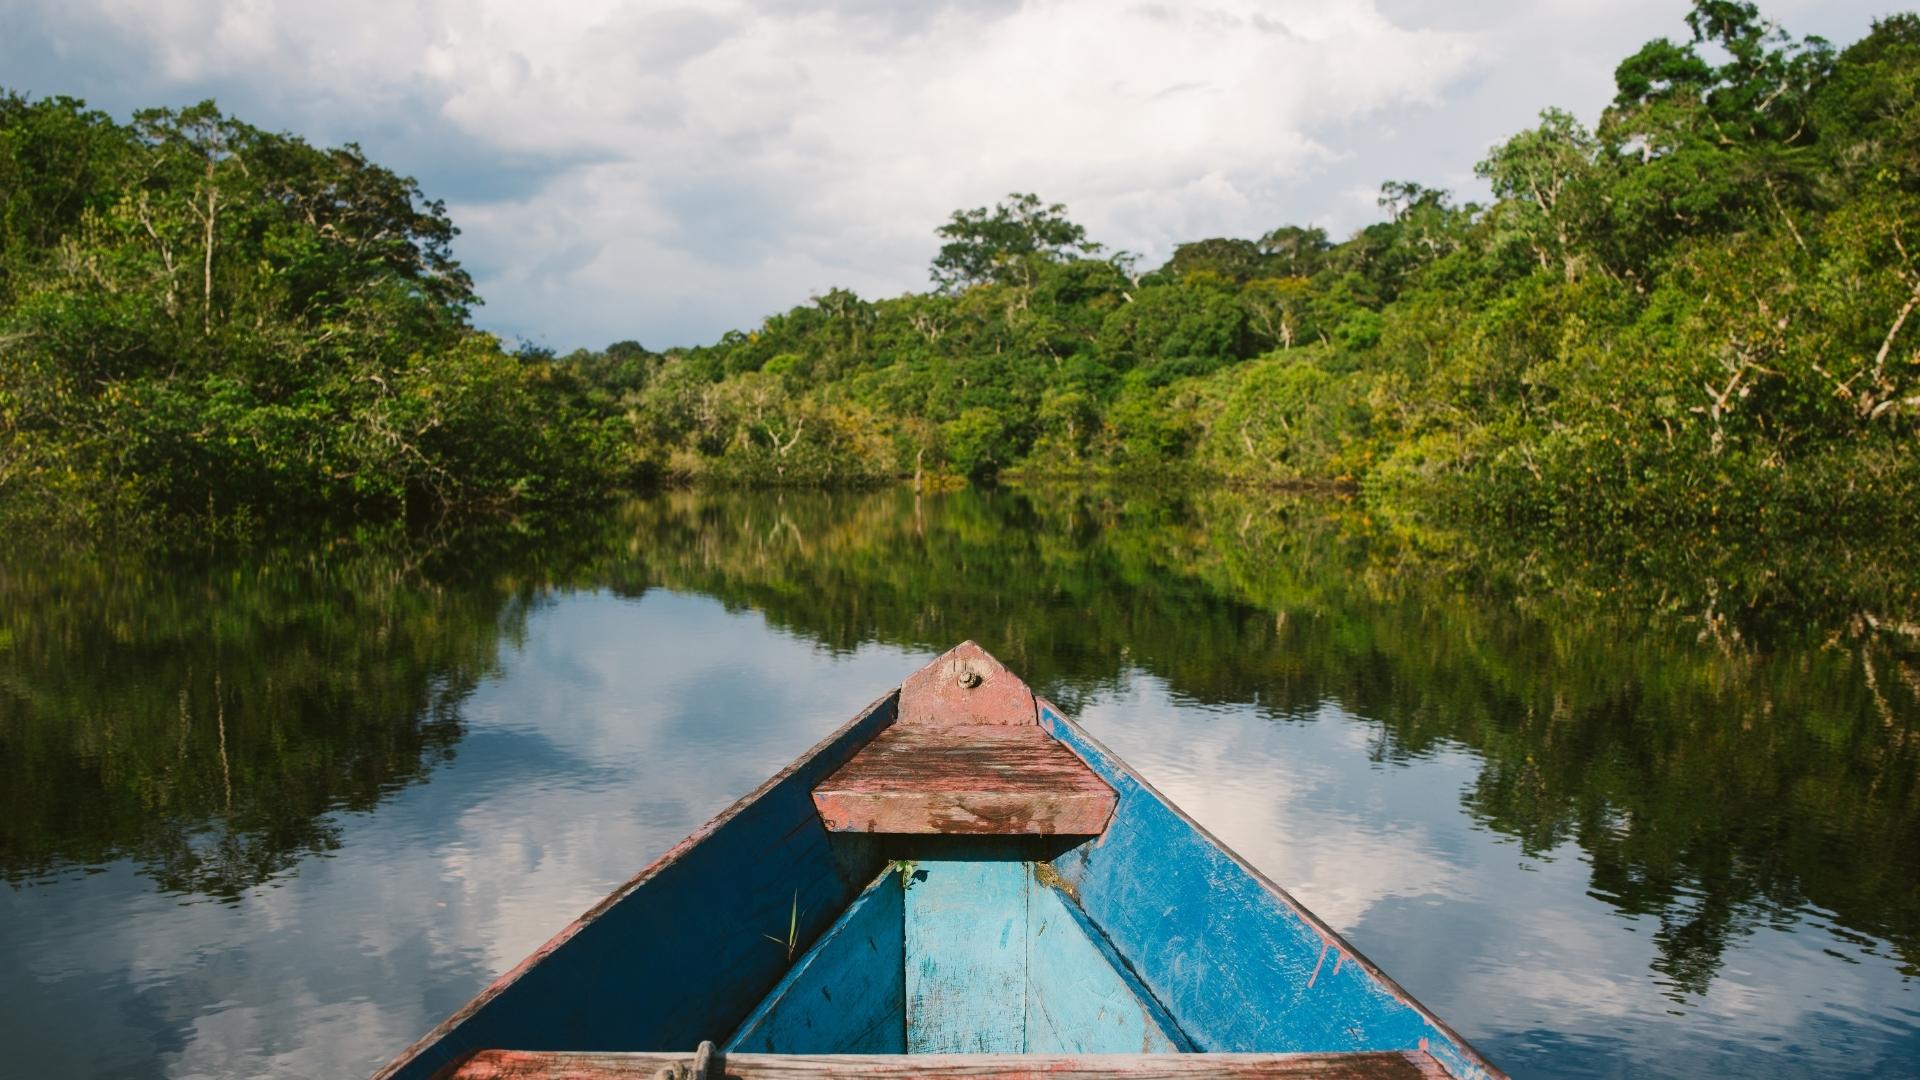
{"x": 667, "y": 171}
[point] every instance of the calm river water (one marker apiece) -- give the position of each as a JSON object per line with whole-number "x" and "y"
{"x": 1615, "y": 812}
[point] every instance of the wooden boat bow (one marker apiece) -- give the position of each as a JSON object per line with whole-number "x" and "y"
{"x": 966, "y": 757}
{"x": 958, "y": 882}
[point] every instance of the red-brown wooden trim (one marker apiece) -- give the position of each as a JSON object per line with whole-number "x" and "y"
{"x": 972, "y": 780}
{"x": 966, "y": 686}
{"x": 1390, "y": 1065}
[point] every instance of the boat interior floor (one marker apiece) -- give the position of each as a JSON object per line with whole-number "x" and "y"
{"x": 960, "y": 955}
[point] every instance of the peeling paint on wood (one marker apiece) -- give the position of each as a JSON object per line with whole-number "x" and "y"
{"x": 847, "y": 994}
{"x": 1080, "y": 997}
{"x": 1149, "y": 936}
{"x": 974, "y": 779}
{"x": 965, "y": 686}
{"x": 998, "y": 962}
{"x": 520, "y": 1065}
{"x": 1238, "y": 962}
{"x": 966, "y": 934}
{"x": 976, "y": 955}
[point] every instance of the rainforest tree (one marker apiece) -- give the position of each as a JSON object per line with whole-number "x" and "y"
{"x": 203, "y": 319}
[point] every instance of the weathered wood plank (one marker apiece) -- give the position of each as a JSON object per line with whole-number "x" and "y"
{"x": 617, "y": 977}
{"x": 965, "y": 685}
{"x": 522, "y": 1065}
{"x": 1240, "y": 964}
{"x": 847, "y": 995}
{"x": 966, "y": 952}
{"x": 966, "y": 780}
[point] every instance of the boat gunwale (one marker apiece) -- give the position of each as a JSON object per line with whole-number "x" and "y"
{"x": 1046, "y": 714}
{"x": 649, "y": 1065}
{"x": 805, "y": 961}
{"x": 1327, "y": 933}
{"x": 620, "y": 892}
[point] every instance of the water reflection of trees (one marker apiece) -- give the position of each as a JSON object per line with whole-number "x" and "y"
{"x": 205, "y": 719}
{"x": 1727, "y": 736}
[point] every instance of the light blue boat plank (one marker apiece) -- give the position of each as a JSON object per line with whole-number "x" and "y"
{"x": 997, "y": 962}
{"x": 1078, "y": 1000}
{"x": 966, "y": 953}
{"x": 847, "y": 994}
{"x": 1237, "y": 963}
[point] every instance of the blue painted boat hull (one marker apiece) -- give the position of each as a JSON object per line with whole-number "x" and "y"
{"x": 1240, "y": 963}
{"x": 767, "y": 934}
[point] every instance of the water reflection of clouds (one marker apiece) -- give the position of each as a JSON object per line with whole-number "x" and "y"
{"x": 1461, "y": 917}
{"x": 1267, "y": 789}
{"x": 614, "y": 729}
{"x": 614, "y": 726}
{"x": 670, "y": 709}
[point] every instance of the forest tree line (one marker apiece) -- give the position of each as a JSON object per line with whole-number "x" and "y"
{"x": 1700, "y": 313}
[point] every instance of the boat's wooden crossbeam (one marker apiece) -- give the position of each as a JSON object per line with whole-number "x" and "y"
{"x": 966, "y": 757}
{"x": 532, "y": 1065}
{"x": 977, "y": 779}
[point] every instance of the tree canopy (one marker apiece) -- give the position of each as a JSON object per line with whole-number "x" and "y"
{"x": 1000, "y": 245}
{"x": 205, "y": 320}
{"x": 1697, "y": 314}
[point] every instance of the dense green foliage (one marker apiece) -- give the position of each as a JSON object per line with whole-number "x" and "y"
{"x": 1695, "y": 315}
{"x": 1699, "y": 315}
{"x": 199, "y": 319}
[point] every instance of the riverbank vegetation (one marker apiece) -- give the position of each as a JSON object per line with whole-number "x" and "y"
{"x": 206, "y": 322}
{"x": 1700, "y": 311}
{"x": 1700, "y": 314}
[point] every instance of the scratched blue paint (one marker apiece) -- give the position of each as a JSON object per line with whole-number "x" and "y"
{"x": 684, "y": 957}
{"x": 997, "y": 962}
{"x": 1238, "y": 967}
{"x": 847, "y": 994}
{"x": 1078, "y": 1000}
{"x": 966, "y": 955}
